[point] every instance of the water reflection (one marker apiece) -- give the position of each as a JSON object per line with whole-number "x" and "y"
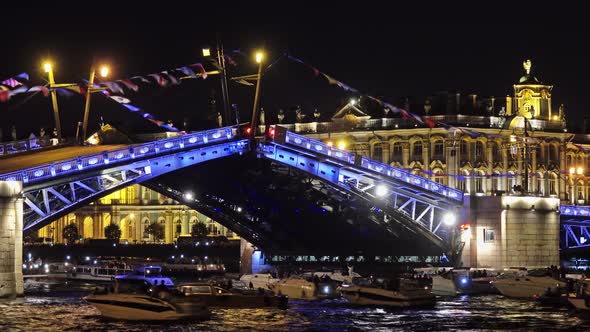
{"x": 60, "y": 307}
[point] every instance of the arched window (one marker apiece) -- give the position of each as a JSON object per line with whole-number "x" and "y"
{"x": 553, "y": 154}
{"x": 497, "y": 147}
{"x": 438, "y": 151}
{"x": 580, "y": 195}
{"x": 540, "y": 184}
{"x": 417, "y": 151}
{"x": 464, "y": 147}
{"x": 377, "y": 152}
{"x": 480, "y": 151}
{"x": 461, "y": 182}
{"x": 397, "y": 153}
{"x": 479, "y": 178}
{"x": 496, "y": 184}
{"x": 552, "y": 184}
{"x": 569, "y": 161}
{"x": 511, "y": 180}
{"x": 438, "y": 176}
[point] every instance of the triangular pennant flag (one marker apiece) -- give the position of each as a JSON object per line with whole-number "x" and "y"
{"x": 201, "y": 69}
{"x": 11, "y": 82}
{"x": 141, "y": 78}
{"x": 20, "y": 89}
{"x": 23, "y": 76}
{"x": 4, "y": 96}
{"x": 187, "y": 71}
{"x": 244, "y": 82}
{"x": 114, "y": 87}
{"x": 41, "y": 88}
{"x": 431, "y": 123}
{"x": 129, "y": 84}
{"x": 172, "y": 78}
{"x": 159, "y": 79}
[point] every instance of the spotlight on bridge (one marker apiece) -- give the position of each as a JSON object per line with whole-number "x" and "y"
{"x": 449, "y": 219}
{"x": 381, "y": 190}
{"x": 188, "y": 196}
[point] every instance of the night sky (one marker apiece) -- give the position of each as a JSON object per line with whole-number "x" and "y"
{"x": 389, "y": 51}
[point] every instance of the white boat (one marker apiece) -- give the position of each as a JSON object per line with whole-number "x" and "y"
{"x": 581, "y": 300}
{"x": 527, "y": 287}
{"x": 337, "y": 276}
{"x": 139, "y": 307}
{"x": 151, "y": 274}
{"x": 258, "y": 280}
{"x": 392, "y": 294}
{"x": 300, "y": 288}
{"x": 95, "y": 273}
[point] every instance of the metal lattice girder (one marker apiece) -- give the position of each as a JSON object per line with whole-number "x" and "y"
{"x": 48, "y": 200}
{"x": 576, "y": 234}
{"x": 418, "y": 211}
{"x": 235, "y": 221}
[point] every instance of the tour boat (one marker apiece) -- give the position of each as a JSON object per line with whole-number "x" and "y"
{"x": 151, "y": 274}
{"x": 258, "y": 280}
{"x": 218, "y": 297}
{"x": 581, "y": 300}
{"x": 300, "y": 288}
{"x": 527, "y": 287}
{"x": 337, "y": 276}
{"x": 140, "y": 307}
{"x": 95, "y": 273}
{"x": 392, "y": 294}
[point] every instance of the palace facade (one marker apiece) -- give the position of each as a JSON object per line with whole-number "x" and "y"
{"x": 482, "y": 146}
{"x": 133, "y": 209}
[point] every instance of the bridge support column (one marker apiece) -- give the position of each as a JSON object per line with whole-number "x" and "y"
{"x": 508, "y": 231}
{"x": 11, "y": 239}
{"x": 246, "y": 251}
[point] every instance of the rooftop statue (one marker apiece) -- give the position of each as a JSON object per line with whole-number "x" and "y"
{"x": 527, "y": 64}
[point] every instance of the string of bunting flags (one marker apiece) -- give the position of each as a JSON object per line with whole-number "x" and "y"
{"x": 16, "y": 85}
{"x": 404, "y": 113}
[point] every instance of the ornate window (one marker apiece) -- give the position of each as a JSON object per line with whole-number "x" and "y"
{"x": 377, "y": 152}
{"x": 397, "y": 153}
{"x": 552, "y": 184}
{"x": 438, "y": 151}
{"x": 417, "y": 151}
{"x": 480, "y": 176}
{"x": 479, "y": 151}
{"x": 464, "y": 150}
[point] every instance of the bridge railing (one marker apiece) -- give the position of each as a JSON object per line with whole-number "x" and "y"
{"x": 13, "y": 147}
{"x": 284, "y": 136}
{"x": 574, "y": 210}
{"x": 96, "y": 160}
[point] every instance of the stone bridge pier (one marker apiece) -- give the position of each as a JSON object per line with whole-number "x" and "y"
{"x": 11, "y": 239}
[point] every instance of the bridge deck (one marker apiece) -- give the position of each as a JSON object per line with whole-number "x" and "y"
{"x": 18, "y": 162}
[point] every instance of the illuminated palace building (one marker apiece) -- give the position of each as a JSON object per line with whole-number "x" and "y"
{"x": 133, "y": 209}
{"x": 476, "y": 145}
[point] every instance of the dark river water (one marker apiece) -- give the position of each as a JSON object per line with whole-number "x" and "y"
{"x": 61, "y": 308}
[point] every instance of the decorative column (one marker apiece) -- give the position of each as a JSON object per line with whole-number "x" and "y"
{"x": 505, "y": 170}
{"x": 385, "y": 152}
{"x": 426, "y": 155}
{"x": 533, "y": 185}
{"x": 563, "y": 171}
{"x": 490, "y": 170}
{"x": 405, "y": 153}
{"x": 11, "y": 239}
{"x": 452, "y": 160}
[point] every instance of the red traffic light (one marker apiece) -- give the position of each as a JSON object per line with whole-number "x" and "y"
{"x": 271, "y": 133}
{"x": 247, "y": 131}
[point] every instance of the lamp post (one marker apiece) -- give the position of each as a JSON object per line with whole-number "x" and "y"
{"x": 104, "y": 72}
{"x": 575, "y": 173}
{"x": 224, "y": 90}
{"x": 253, "y": 123}
{"x": 49, "y": 70}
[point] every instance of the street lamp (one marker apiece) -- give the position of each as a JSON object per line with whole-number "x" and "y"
{"x": 253, "y": 124}
{"x": 224, "y": 91}
{"x": 575, "y": 173}
{"x": 104, "y": 71}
